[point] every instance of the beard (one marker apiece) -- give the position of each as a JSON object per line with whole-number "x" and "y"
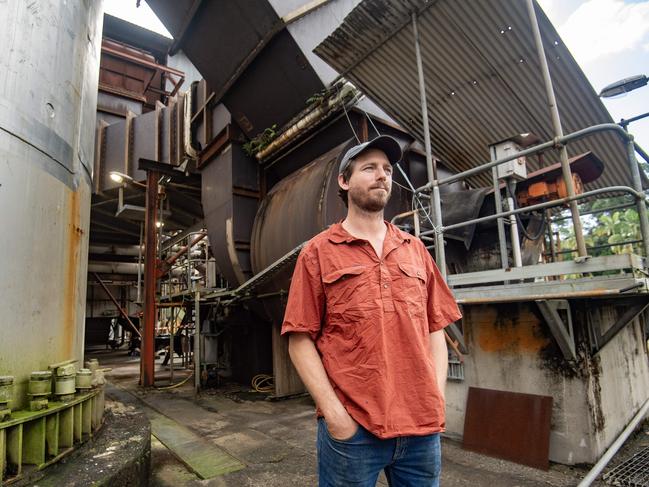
{"x": 370, "y": 201}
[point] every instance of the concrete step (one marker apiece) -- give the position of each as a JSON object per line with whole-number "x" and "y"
{"x": 200, "y": 456}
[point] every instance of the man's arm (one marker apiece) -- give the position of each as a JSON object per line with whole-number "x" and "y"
{"x": 309, "y": 366}
{"x": 440, "y": 359}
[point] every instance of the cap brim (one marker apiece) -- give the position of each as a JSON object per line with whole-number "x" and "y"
{"x": 388, "y": 145}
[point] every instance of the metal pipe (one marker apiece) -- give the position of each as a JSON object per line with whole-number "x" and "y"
{"x": 346, "y": 95}
{"x": 440, "y": 251}
{"x": 513, "y": 228}
{"x": 558, "y": 131}
{"x": 197, "y": 339}
{"x": 540, "y": 206}
{"x": 579, "y": 134}
{"x": 139, "y": 264}
{"x": 403, "y": 215}
{"x": 424, "y": 105}
{"x": 641, "y": 151}
{"x": 170, "y": 261}
{"x": 597, "y": 247}
{"x": 147, "y": 359}
{"x": 502, "y": 242}
{"x": 640, "y": 198}
{"x": 130, "y": 250}
{"x": 595, "y": 212}
{"x": 171, "y": 347}
{"x": 612, "y": 450}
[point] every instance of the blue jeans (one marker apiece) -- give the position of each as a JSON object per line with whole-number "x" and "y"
{"x": 408, "y": 461}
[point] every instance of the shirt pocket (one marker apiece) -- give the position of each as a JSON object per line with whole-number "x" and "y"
{"x": 410, "y": 288}
{"x": 342, "y": 289}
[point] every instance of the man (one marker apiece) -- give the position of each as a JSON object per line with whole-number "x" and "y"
{"x": 365, "y": 313}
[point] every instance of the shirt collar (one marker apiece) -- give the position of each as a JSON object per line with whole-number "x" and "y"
{"x": 338, "y": 235}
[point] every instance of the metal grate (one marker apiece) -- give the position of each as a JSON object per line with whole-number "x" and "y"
{"x": 455, "y": 370}
{"x": 632, "y": 473}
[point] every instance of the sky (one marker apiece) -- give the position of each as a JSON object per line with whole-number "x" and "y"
{"x": 608, "y": 38}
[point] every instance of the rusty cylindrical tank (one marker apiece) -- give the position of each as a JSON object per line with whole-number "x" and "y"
{"x": 49, "y": 68}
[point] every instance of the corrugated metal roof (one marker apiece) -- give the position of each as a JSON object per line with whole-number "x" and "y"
{"x": 483, "y": 78}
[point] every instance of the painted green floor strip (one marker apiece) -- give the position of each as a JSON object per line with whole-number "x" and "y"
{"x": 202, "y": 457}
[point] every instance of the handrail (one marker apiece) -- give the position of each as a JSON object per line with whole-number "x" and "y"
{"x": 533, "y": 150}
{"x": 539, "y": 206}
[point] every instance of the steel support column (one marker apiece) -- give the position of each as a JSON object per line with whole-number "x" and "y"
{"x": 147, "y": 359}
{"x": 424, "y": 104}
{"x": 640, "y": 198}
{"x": 498, "y": 202}
{"x": 440, "y": 255}
{"x": 558, "y": 131}
{"x": 197, "y": 342}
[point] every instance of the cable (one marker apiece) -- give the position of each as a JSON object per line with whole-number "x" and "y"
{"x": 372, "y": 122}
{"x": 348, "y": 120}
{"x": 259, "y": 380}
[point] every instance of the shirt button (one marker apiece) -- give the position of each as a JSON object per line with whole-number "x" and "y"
{"x": 385, "y": 286}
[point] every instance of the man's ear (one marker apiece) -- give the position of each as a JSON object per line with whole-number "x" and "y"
{"x": 341, "y": 182}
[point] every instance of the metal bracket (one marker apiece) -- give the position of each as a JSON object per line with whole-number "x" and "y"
{"x": 562, "y": 332}
{"x": 627, "y": 317}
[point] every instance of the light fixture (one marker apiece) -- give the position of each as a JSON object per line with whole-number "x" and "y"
{"x": 624, "y": 86}
{"x": 119, "y": 177}
{"x": 159, "y": 224}
{"x": 122, "y": 178}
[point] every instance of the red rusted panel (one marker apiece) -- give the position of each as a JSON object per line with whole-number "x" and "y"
{"x": 509, "y": 425}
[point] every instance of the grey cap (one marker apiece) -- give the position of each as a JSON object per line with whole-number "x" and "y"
{"x": 385, "y": 143}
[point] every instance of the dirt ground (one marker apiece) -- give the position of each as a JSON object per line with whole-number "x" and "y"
{"x": 275, "y": 440}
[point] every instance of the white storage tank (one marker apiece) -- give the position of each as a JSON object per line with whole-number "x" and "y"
{"x": 49, "y": 69}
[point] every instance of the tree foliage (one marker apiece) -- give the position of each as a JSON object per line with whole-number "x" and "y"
{"x": 613, "y": 227}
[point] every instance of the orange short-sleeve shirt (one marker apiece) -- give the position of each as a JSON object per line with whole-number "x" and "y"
{"x": 370, "y": 319}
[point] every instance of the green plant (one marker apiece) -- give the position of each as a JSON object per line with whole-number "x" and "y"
{"x": 261, "y": 140}
{"x": 317, "y": 98}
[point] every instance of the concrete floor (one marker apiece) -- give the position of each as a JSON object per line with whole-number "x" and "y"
{"x": 276, "y": 439}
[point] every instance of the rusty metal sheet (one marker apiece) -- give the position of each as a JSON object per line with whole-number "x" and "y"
{"x": 509, "y": 425}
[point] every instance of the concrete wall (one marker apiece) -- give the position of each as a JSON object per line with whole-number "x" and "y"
{"x": 511, "y": 349}
{"x": 620, "y": 385}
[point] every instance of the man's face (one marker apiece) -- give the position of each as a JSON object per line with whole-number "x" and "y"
{"x": 370, "y": 183}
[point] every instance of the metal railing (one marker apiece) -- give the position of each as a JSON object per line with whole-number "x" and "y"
{"x": 636, "y": 191}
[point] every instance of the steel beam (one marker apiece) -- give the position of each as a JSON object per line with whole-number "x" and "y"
{"x": 558, "y": 130}
{"x": 562, "y": 332}
{"x": 627, "y": 317}
{"x": 147, "y": 359}
{"x": 119, "y": 308}
{"x": 640, "y": 198}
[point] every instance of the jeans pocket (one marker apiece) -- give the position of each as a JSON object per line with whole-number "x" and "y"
{"x": 344, "y": 441}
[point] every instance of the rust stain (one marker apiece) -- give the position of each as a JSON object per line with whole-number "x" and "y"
{"x": 508, "y": 329}
{"x": 75, "y": 234}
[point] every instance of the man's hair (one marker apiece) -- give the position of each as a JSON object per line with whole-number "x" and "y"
{"x": 347, "y": 173}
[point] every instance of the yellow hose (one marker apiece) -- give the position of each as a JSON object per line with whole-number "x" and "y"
{"x": 259, "y": 380}
{"x": 173, "y": 386}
